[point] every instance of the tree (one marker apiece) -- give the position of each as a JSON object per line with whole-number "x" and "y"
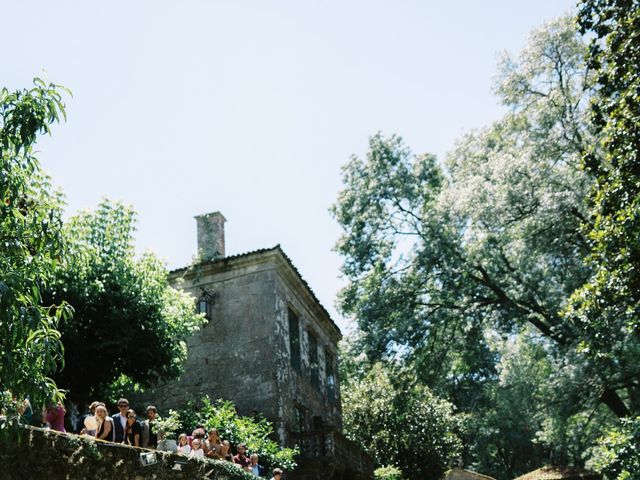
{"x": 493, "y": 241}
{"x": 401, "y": 423}
{"x": 618, "y": 456}
{"x": 607, "y": 308}
{"x": 442, "y": 258}
{"x": 30, "y": 246}
{"x": 535, "y": 413}
{"x": 128, "y": 322}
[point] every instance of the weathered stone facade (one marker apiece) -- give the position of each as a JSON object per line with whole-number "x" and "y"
{"x": 269, "y": 346}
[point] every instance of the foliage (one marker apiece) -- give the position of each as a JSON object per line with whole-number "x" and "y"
{"x": 129, "y": 324}
{"x": 255, "y": 432}
{"x": 618, "y": 455}
{"x": 535, "y": 413}
{"x": 400, "y": 422}
{"x": 387, "y": 473}
{"x": 450, "y": 264}
{"x": 30, "y": 246}
{"x": 607, "y": 308}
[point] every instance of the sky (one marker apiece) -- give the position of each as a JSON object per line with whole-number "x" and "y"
{"x": 251, "y": 108}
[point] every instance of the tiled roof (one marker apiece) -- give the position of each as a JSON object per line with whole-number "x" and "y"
{"x": 560, "y": 473}
{"x": 261, "y": 251}
{"x": 461, "y": 472}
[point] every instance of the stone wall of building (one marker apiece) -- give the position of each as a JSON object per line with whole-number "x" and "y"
{"x": 226, "y": 359}
{"x": 297, "y": 390}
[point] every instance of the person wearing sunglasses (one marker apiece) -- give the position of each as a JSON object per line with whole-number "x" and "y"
{"x": 133, "y": 430}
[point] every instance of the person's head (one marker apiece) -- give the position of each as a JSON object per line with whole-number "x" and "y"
{"x": 214, "y": 436}
{"x": 151, "y": 412}
{"x": 198, "y": 433}
{"x": 226, "y": 446}
{"x": 242, "y": 449}
{"x": 195, "y": 443}
{"x": 254, "y": 459}
{"x": 123, "y": 406}
{"x": 101, "y": 411}
{"x": 277, "y": 473}
{"x": 131, "y": 416}
{"x": 92, "y": 407}
{"x": 182, "y": 439}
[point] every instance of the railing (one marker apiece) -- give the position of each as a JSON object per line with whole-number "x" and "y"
{"x": 329, "y": 446}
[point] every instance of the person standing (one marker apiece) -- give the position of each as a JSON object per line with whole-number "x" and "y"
{"x": 241, "y": 458}
{"x": 26, "y": 412}
{"x": 133, "y": 430}
{"x": 213, "y": 445}
{"x": 104, "y": 422}
{"x": 120, "y": 420}
{"x": 256, "y": 468}
{"x": 81, "y": 429}
{"x": 55, "y": 417}
{"x": 183, "y": 445}
{"x": 197, "y": 451}
{"x": 149, "y": 435}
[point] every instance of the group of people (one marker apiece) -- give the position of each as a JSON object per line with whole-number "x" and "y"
{"x": 124, "y": 427}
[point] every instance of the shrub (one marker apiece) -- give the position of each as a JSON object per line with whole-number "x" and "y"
{"x": 255, "y": 432}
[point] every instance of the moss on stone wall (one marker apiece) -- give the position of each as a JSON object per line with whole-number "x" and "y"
{"x": 36, "y": 453}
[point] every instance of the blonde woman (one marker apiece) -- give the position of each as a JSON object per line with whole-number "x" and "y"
{"x": 105, "y": 428}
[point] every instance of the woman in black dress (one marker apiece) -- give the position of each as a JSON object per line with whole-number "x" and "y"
{"x": 133, "y": 430}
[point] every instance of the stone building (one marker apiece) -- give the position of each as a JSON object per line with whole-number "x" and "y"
{"x": 269, "y": 346}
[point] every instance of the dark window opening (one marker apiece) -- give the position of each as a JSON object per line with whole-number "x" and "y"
{"x": 294, "y": 340}
{"x": 300, "y": 419}
{"x": 332, "y": 391}
{"x": 313, "y": 361}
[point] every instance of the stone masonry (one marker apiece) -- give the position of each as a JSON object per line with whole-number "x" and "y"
{"x": 269, "y": 346}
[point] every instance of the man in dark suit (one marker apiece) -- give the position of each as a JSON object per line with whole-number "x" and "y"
{"x": 120, "y": 420}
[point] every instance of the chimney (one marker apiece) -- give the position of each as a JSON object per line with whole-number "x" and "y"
{"x": 210, "y": 236}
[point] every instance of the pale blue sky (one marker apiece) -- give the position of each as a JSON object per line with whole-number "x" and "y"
{"x": 251, "y": 108}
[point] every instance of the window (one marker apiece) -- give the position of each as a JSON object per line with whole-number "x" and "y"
{"x": 313, "y": 360}
{"x": 294, "y": 340}
{"x": 329, "y": 362}
{"x": 205, "y": 305}
{"x": 300, "y": 420}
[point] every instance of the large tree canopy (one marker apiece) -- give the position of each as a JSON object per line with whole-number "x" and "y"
{"x": 30, "y": 246}
{"x": 449, "y": 264}
{"x": 494, "y": 239}
{"x": 128, "y": 321}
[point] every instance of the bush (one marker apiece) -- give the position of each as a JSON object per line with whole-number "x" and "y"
{"x": 618, "y": 455}
{"x": 255, "y": 432}
{"x": 388, "y": 473}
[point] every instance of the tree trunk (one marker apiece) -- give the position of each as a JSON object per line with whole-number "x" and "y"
{"x": 612, "y": 400}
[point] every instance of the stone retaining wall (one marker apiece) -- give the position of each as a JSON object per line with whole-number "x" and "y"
{"x": 34, "y": 453}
